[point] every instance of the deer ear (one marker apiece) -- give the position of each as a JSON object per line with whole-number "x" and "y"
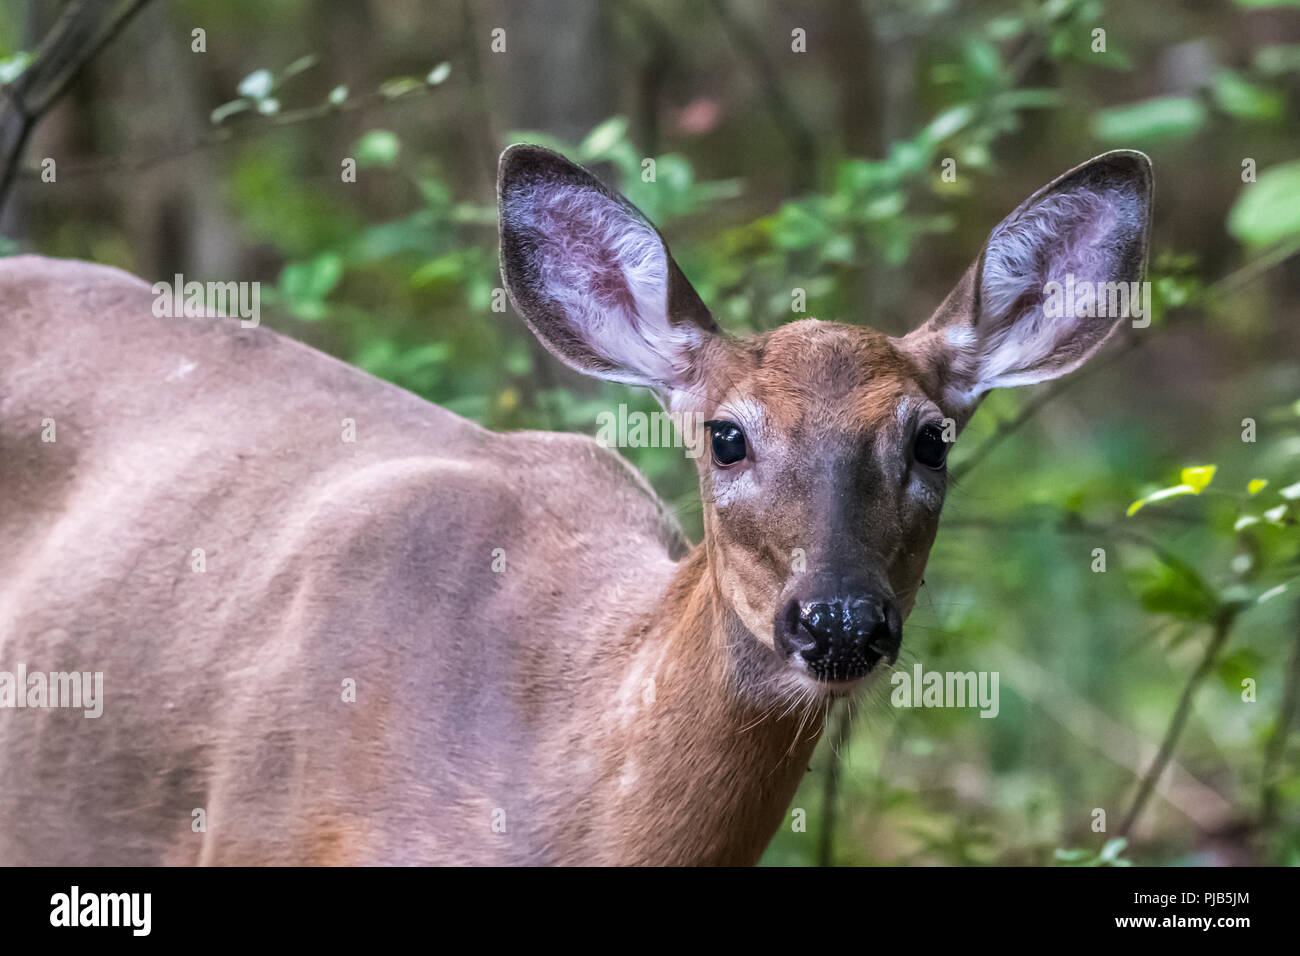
{"x": 591, "y": 277}
{"x": 1046, "y": 292}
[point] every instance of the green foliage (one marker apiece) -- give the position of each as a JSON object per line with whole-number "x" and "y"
{"x": 1167, "y": 117}
{"x": 1108, "y": 855}
{"x": 1269, "y": 210}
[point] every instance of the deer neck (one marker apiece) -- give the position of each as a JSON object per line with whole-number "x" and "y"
{"x": 709, "y": 753}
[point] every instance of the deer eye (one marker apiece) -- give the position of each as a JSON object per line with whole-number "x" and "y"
{"x": 728, "y": 442}
{"x": 930, "y": 449}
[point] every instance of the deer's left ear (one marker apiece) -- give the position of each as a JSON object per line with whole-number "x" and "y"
{"x": 1043, "y": 296}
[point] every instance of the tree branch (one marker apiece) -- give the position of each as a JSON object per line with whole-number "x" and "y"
{"x": 233, "y": 134}
{"x": 83, "y": 29}
{"x": 1032, "y": 407}
{"x": 1218, "y": 638}
{"x": 788, "y": 120}
{"x": 1276, "y": 746}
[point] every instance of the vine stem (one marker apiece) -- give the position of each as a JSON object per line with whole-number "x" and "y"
{"x": 1222, "y": 630}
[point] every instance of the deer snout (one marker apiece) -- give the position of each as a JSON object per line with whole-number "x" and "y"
{"x": 841, "y": 635}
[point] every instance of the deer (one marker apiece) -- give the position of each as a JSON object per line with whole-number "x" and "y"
{"x": 437, "y": 644}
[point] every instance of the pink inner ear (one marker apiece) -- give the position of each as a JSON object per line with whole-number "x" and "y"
{"x": 1075, "y": 233}
{"x": 609, "y": 287}
{"x": 592, "y": 253}
{"x": 605, "y": 271}
{"x": 1088, "y": 233}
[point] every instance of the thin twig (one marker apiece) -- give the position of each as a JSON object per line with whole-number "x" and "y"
{"x": 839, "y": 737}
{"x": 231, "y": 134}
{"x": 1222, "y": 630}
{"x": 789, "y": 121}
{"x": 82, "y": 30}
{"x": 1032, "y": 407}
{"x": 1276, "y": 747}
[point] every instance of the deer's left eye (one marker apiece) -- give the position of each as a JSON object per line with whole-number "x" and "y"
{"x": 728, "y": 442}
{"x": 930, "y": 449}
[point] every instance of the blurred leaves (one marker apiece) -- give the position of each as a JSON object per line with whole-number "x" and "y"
{"x": 1162, "y": 118}
{"x": 379, "y": 147}
{"x": 1108, "y": 855}
{"x": 1268, "y": 211}
{"x": 305, "y": 285}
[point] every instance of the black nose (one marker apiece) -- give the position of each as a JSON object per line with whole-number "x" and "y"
{"x": 839, "y": 638}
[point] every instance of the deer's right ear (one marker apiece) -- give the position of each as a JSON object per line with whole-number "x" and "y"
{"x": 1086, "y": 231}
{"x": 591, "y": 277}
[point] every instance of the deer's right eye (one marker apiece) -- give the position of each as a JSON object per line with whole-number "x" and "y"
{"x": 930, "y": 449}
{"x": 728, "y": 442}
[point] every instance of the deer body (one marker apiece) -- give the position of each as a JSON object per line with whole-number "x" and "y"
{"x": 544, "y": 670}
{"x": 324, "y": 561}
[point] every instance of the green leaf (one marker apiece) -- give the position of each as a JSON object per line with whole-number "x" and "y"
{"x": 379, "y": 147}
{"x": 13, "y": 67}
{"x": 1246, "y": 100}
{"x": 1166, "y": 117}
{"x": 603, "y": 138}
{"x": 257, "y": 84}
{"x": 338, "y": 95}
{"x": 1113, "y": 848}
{"x": 299, "y": 65}
{"x": 400, "y": 86}
{"x": 1256, "y": 486}
{"x": 795, "y": 227}
{"x": 438, "y": 74}
{"x": 227, "y": 110}
{"x": 306, "y": 284}
{"x": 947, "y": 123}
{"x": 1278, "y": 59}
{"x": 1268, "y": 210}
{"x": 1273, "y": 592}
{"x": 446, "y": 268}
{"x": 1175, "y": 591}
{"x": 1071, "y": 856}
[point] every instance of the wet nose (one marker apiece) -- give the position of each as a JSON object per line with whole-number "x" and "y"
{"x": 839, "y": 637}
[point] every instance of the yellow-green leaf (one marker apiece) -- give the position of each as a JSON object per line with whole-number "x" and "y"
{"x": 1198, "y": 477}
{"x": 1161, "y": 495}
{"x": 1256, "y": 485}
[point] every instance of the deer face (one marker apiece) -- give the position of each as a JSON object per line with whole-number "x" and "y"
{"x": 824, "y": 470}
{"x": 822, "y": 480}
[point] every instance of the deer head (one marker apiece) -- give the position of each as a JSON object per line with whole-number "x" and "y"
{"x": 825, "y": 470}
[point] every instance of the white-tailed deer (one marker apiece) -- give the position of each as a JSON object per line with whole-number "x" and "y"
{"x": 437, "y": 644}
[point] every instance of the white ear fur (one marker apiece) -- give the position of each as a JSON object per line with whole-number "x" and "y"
{"x": 590, "y": 276}
{"x": 607, "y": 273}
{"x": 1084, "y": 231}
